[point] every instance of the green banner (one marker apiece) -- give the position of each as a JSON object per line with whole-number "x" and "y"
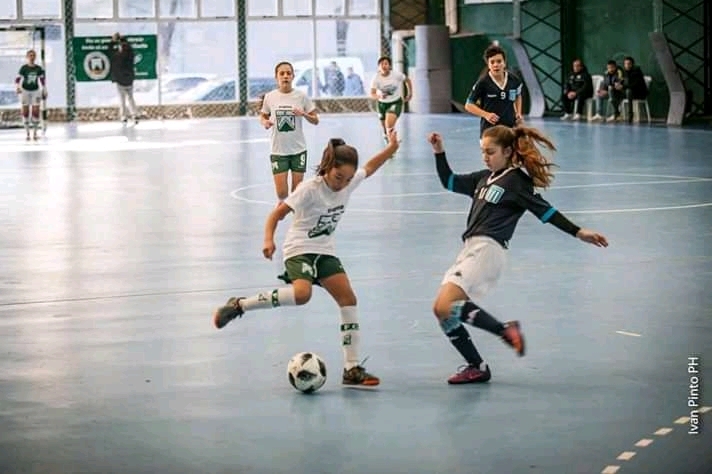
{"x": 92, "y": 57}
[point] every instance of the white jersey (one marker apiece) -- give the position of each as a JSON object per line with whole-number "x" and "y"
{"x": 287, "y": 133}
{"x": 317, "y": 211}
{"x": 391, "y": 86}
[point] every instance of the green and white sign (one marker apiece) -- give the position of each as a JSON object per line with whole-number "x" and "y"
{"x": 92, "y": 57}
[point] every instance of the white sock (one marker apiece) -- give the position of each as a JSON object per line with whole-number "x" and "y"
{"x": 270, "y": 299}
{"x": 350, "y": 336}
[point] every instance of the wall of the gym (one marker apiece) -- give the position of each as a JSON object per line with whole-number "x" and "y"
{"x": 606, "y": 29}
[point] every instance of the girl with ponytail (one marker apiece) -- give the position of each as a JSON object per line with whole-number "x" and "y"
{"x": 500, "y": 194}
{"x": 309, "y": 248}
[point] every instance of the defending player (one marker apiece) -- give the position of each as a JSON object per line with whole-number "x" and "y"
{"x": 496, "y": 97}
{"x": 387, "y": 88}
{"x": 30, "y": 86}
{"x": 282, "y": 111}
{"x": 500, "y": 195}
{"x": 309, "y": 248}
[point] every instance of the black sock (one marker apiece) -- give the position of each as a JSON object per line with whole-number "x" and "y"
{"x": 471, "y": 314}
{"x": 460, "y": 338}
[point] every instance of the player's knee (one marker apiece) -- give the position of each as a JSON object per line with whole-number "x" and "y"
{"x": 282, "y": 194}
{"x": 347, "y": 300}
{"x": 441, "y": 309}
{"x": 302, "y": 293}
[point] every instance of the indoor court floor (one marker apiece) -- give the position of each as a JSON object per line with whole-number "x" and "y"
{"x": 117, "y": 243}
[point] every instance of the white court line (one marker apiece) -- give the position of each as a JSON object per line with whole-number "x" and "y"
{"x": 682, "y": 420}
{"x": 663, "y": 431}
{"x": 705, "y": 409}
{"x": 644, "y": 443}
{"x": 626, "y": 333}
{"x": 626, "y": 456}
{"x": 610, "y": 470}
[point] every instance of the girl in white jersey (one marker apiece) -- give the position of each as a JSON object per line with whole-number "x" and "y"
{"x": 282, "y": 111}
{"x": 309, "y": 248}
{"x": 387, "y": 88}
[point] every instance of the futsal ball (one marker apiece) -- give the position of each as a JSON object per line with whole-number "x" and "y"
{"x": 306, "y": 372}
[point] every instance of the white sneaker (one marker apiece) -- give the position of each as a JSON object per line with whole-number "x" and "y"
{"x": 576, "y": 117}
{"x": 596, "y": 118}
{"x": 565, "y": 117}
{"x": 611, "y": 118}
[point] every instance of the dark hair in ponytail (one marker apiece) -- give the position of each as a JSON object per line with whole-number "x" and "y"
{"x": 336, "y": 154}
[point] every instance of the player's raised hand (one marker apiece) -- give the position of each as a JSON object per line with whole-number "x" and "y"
{"x": 436, "y": 141}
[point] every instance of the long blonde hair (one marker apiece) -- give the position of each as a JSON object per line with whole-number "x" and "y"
{"x": 525, "y": 143}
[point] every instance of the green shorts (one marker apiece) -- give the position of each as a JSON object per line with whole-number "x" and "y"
{"x": 312, "y": 267}
{"x": 390, "y": 108}
{"x": 283, "y": 163}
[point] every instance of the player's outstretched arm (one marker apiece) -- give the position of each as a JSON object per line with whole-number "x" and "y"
{"x": 457, "y": 183}
{"x": 592, "y": 237}
{"x": 382, "y": 156}
{"x": 279, "y": 213}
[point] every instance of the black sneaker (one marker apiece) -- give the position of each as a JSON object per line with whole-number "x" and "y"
{"x": 225, "y": 314}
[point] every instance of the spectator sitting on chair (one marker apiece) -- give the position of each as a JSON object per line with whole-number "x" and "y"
{"x": 634, "y": 86}
{"x": 578, "y": 88}
{"x": 612, "y": 89}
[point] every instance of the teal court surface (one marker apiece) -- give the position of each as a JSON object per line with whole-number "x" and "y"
{"x": 117, "y": 243}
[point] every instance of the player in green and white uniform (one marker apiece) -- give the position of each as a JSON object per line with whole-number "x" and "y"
{"x": 30, "y": 84}
{"x": 387, "y": 89}
{"x": 310, "y": 249}
{"x": 282, "y": 111}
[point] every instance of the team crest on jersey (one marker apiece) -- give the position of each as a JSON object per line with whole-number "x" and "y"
{"x": 286, "y": 121}
{"x": 493, "y": 194}
{"x": 512, "y": 94}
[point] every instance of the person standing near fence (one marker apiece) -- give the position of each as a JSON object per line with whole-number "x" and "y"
{"x": 123, "y": 74}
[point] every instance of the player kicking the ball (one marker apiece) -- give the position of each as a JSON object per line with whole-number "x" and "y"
{"x": 309, "y": 248}
{"x": 500, "y": 196}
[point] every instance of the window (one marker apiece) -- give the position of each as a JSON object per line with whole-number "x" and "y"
{"x": 137, "y": 9}
{"x": 295, "y": 40}
{"x": 347, "y": 51}
{"x": 261, "y": 7}
{"x": 217, "y": 8}
{"x": 8, "y": 11}
{"x": 94, "y": 8}
{"x": 363, "y": 7}
{"x": 198, "y": 61}
{"x": 330, "y": 7}
{"x": 296, "y": 7}
{"x": 177, "y": 8}
{"x": 41, "y": 8}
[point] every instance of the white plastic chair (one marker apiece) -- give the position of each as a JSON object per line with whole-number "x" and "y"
{"x": 638, "y": 105}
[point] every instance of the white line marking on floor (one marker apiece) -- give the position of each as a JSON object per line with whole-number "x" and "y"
{"x": 610, "y": 470}
{"x": 644, "y": 443}
{"x": 626, "y": 333}
{"x": 705, "y": 409}
{"x": 663, "y": 431}
{"x": 626, "y": 455}
{"x": 682, "y": 420}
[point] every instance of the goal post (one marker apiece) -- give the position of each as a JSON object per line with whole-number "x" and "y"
{"x": 15, "y": 41}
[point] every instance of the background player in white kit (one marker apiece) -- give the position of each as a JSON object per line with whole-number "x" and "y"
{"x": 282, "y": 111}
{"x": 387, "y": 88}
{"x": 309, "y": 248}
{"x": 30, "y": 84}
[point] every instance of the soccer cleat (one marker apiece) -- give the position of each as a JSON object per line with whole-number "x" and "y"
{"x": 512, "y": 335}
{"x": 358, "y": 376}
{"x": 471, "y": 374}
{"x": 225, "y": 314}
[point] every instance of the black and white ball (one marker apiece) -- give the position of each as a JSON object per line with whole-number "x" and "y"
{"x": 306, "y": 372}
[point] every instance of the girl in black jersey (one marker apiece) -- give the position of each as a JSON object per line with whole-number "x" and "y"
{"x": 500, "y": 195}
{"x": 496, "y": 97}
